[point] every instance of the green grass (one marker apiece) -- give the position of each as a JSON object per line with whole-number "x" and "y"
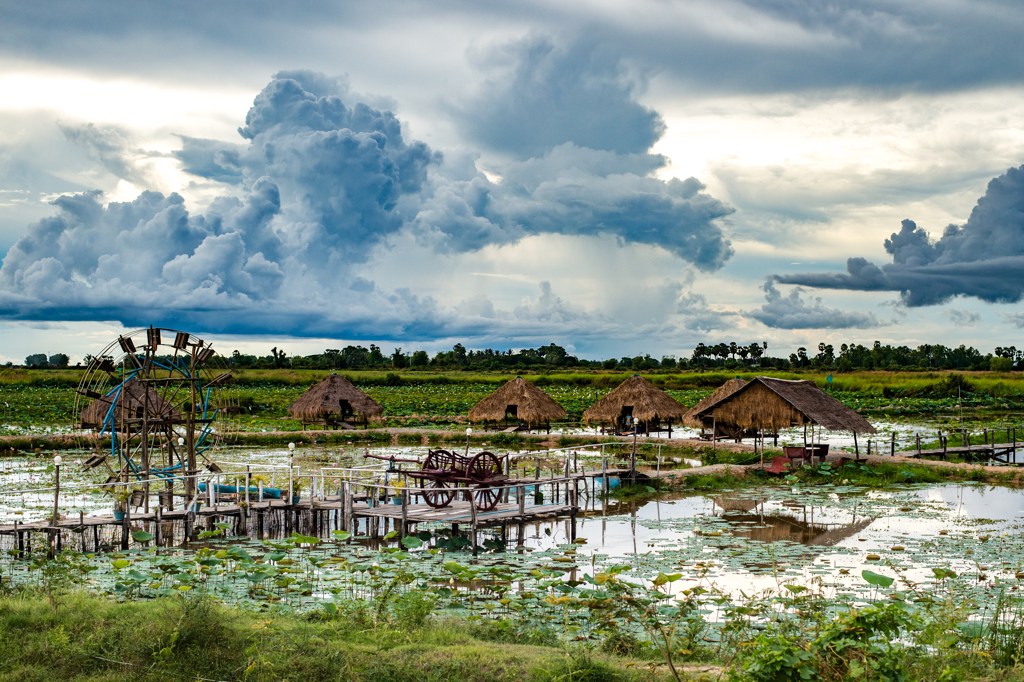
{"x": 88, "y": 638}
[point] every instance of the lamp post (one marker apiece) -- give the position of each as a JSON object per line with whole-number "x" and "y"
{"x": 57, "y": 461}
{"x": 291, "y": 472}
{"x": 469, "y": 432}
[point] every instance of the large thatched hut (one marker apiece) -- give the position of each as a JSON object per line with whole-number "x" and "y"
{"x": 519, "y": 400}
{"x": 706, "y": 425}
{"x": 130, "y": 402}
{"x": 766, "y": 405}
{"x": 334, "y": 402}
{"x": 639, "y": 399}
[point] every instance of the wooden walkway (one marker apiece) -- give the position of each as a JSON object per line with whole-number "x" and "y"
{"x": 460, "y": 512}
{"x": 1000, "y": 452}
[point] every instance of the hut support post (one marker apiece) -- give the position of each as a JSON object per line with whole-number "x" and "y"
{"x": 521, "y": 499}
{"x": 604, "y": 472}
{"x": 714, "y": 433}
{"x": 892, "y": 448}
{"x": 856, "y": 448}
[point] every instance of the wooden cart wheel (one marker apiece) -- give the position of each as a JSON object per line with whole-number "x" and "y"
{"x": 439, "y": 460}
{"x": 440, "y": 495}
{"x": 486, "y": 498}
{"x": 483, "y": 468}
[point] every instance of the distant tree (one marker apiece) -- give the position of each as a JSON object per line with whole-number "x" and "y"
{"x": 420, "y": 359}
{"x": 399, "y": 359}
{"x": 59, "y": 360}
{"x": 376, "y": 357}
{"x": 36, "y": 360}
{"x": 668, "y": 362}
{"x": 609, "y": 363}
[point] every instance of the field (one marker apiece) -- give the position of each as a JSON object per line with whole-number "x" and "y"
{"x": 35, "y": 401}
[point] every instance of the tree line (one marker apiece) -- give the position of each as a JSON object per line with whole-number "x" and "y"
{"x": 714, "y": 356}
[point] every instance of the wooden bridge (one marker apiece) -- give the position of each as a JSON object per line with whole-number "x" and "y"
{"x": 347, "y": 512}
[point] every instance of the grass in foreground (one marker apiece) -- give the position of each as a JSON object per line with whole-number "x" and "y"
{"x": 87, "y": 638}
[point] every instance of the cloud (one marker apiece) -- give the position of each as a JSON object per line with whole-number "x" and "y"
{"x": 1016, "y": 319}
{"x": 983, "y": 258}
{"x": 324, "y": 186}
{"x": 111, "y": 148}
{"x": 963, "y": 318}
{"x": 575, "y": 191}
{"x": 793, "y": 312}
{"x": 580, "y": 94}
{"x": 760, "y": 46}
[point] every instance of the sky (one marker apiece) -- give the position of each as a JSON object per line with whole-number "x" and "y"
{"x": 616, "y": 177}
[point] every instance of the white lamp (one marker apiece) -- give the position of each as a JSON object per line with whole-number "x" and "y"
{"x": 57, "y": 460}
{"x": 291, "y": 446}
{"x": 469, "y": 431}
{"x": 181, "y": 441}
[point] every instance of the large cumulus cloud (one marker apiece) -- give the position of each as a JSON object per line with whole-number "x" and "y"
{"x": 318, "y": 187}
{"x": 983, "y": 258}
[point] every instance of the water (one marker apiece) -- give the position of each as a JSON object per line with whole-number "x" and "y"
{"x": 738, "y": 542}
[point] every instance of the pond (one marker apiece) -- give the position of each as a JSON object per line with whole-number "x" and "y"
{"x": 735, "y": 543}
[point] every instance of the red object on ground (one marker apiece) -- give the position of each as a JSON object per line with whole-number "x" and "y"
{"x": 779, "y": 465}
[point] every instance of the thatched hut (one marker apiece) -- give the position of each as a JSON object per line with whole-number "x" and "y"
{"x": 520, "y": 400}
{"x": 766, "y": 405}
{"x": 639, "y": 399}
{"x": 705, "y": 425}
{"x": 334, "y": 403}
{"x": 128, "y": 403}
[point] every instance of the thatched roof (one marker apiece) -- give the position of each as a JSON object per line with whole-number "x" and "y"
{"x": 647, "y": 401}
{"x": 130, "y": 403}
{"x": 768, "y": 404}
{"x": 723, "y": 391}
{"x": 332, "y": 396}
{"x": 532, "y": 405}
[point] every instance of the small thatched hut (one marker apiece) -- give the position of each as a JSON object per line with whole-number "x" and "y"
{"x": 334, "y": 402}
{"x": 638, "y": 398}
{"x": 765, "y": 405}
{"x": 706, "y": 425}
{"x": 520, "y": 400}
{"x": 131, "y": 401}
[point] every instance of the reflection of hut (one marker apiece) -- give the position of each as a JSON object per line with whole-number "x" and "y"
{"x": 519, "y": 400}
{"x": 705, "y": 425}
{"x": 334, "y": 402}
{"x": 737, "y": 503}
{"x": 128, "y": 404}
{"x": 765, "y": 405}
{"x": 776, "y": 527}
{"x": 636, "y": 397}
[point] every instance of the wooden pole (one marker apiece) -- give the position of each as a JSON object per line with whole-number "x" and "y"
{"x": 473, "y": 522}
{"x": 856, "y": 449}
{"x": 405, "y": 514}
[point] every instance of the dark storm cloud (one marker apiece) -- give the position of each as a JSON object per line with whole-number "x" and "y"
{"x": 324, "y": 186}
{"x": 579, "y": 94}
{"x": 794, "y": 312}
{"x": 983, "y": 258}
{"x": 763, "y": 45}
